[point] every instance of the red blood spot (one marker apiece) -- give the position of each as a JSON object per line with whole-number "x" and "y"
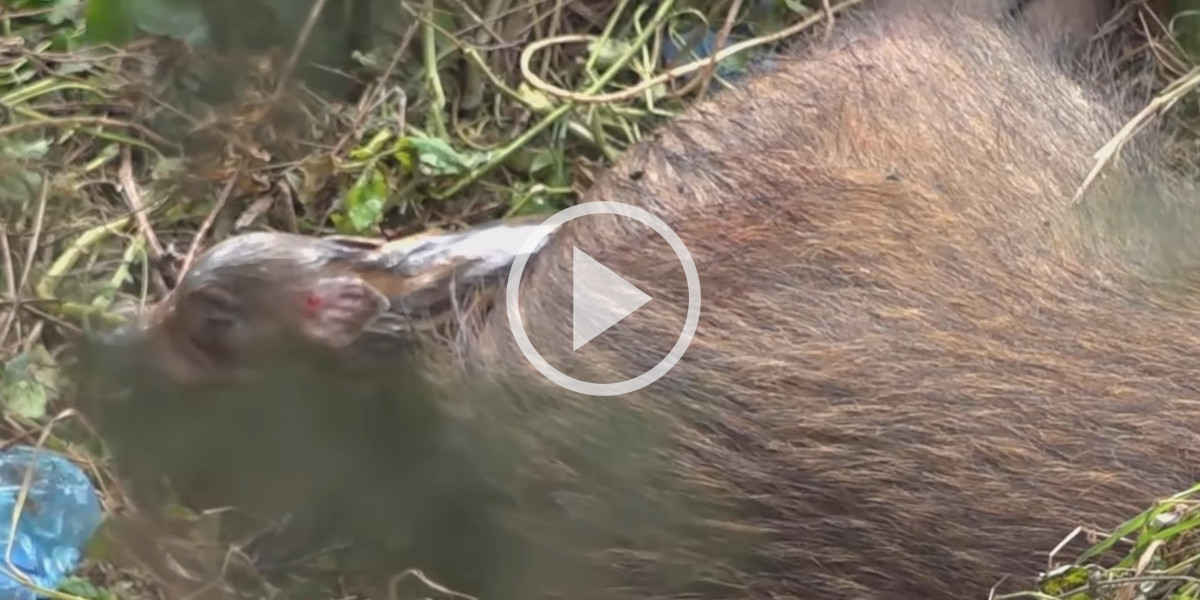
{"x": 312, "y": 304}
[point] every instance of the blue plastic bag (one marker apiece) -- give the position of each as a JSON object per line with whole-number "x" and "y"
{"x": 59, "y": 517}
{"x": 703, "y": 49}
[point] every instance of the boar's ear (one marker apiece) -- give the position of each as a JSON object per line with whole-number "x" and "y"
{"x": 336, "y": 310}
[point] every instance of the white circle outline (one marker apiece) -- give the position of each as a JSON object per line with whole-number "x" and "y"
{"x": 518, "y": 269}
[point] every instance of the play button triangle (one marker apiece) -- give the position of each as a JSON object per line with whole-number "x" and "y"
{"x": 599, "y": 298}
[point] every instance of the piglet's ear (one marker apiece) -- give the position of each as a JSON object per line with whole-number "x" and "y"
{"x": 336, "y": 310}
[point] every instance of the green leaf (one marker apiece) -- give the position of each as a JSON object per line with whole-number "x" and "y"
{"x": 117, "y": 21}
{"x": 25, "y": 150}
{"x": 372, "y": 147}
{"x": 436, "y": 157}
{"x": 531, "y": 199}
{"x": 18, "y": 188}
{"x": 404, "y": 155}
{"x": 180, "y": 20}
{"x": 608, "y": 51}
{"x": 24, "y": 398}
{"x": 108, "y": 22}
{"x": 28, "y": 383}
{"x": 546, "y": 158}
{"x": 63, "y": 10}
{"x": 537, "y": 101}
{"x": 82, "y": 588}
{"x": 366, "y": 200}
{"x": 66, "y": 40}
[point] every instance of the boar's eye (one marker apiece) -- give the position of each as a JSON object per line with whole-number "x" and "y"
{"x": 214, "y": 323}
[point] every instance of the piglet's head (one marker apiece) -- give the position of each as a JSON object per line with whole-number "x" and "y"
{"x": 248, "y": 297}
{"x": 260, "y": 295}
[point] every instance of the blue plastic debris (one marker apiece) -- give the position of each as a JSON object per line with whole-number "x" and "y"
{"x": 59, "y": 517}
{"x": 704, "y": 48}
{"x": 672, "y": 53}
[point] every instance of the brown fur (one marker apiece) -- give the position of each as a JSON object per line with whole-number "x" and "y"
{"x": 1074, "y": 20}
{"x": 918, "y": 365}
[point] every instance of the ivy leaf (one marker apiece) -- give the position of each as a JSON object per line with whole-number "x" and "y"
{"x": 365, "y": 201}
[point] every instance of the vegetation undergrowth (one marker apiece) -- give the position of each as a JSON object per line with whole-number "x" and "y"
{"x": 135, "y": 133}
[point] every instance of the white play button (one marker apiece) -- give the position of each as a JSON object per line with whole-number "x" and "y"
{"x": 599, "y": 298}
